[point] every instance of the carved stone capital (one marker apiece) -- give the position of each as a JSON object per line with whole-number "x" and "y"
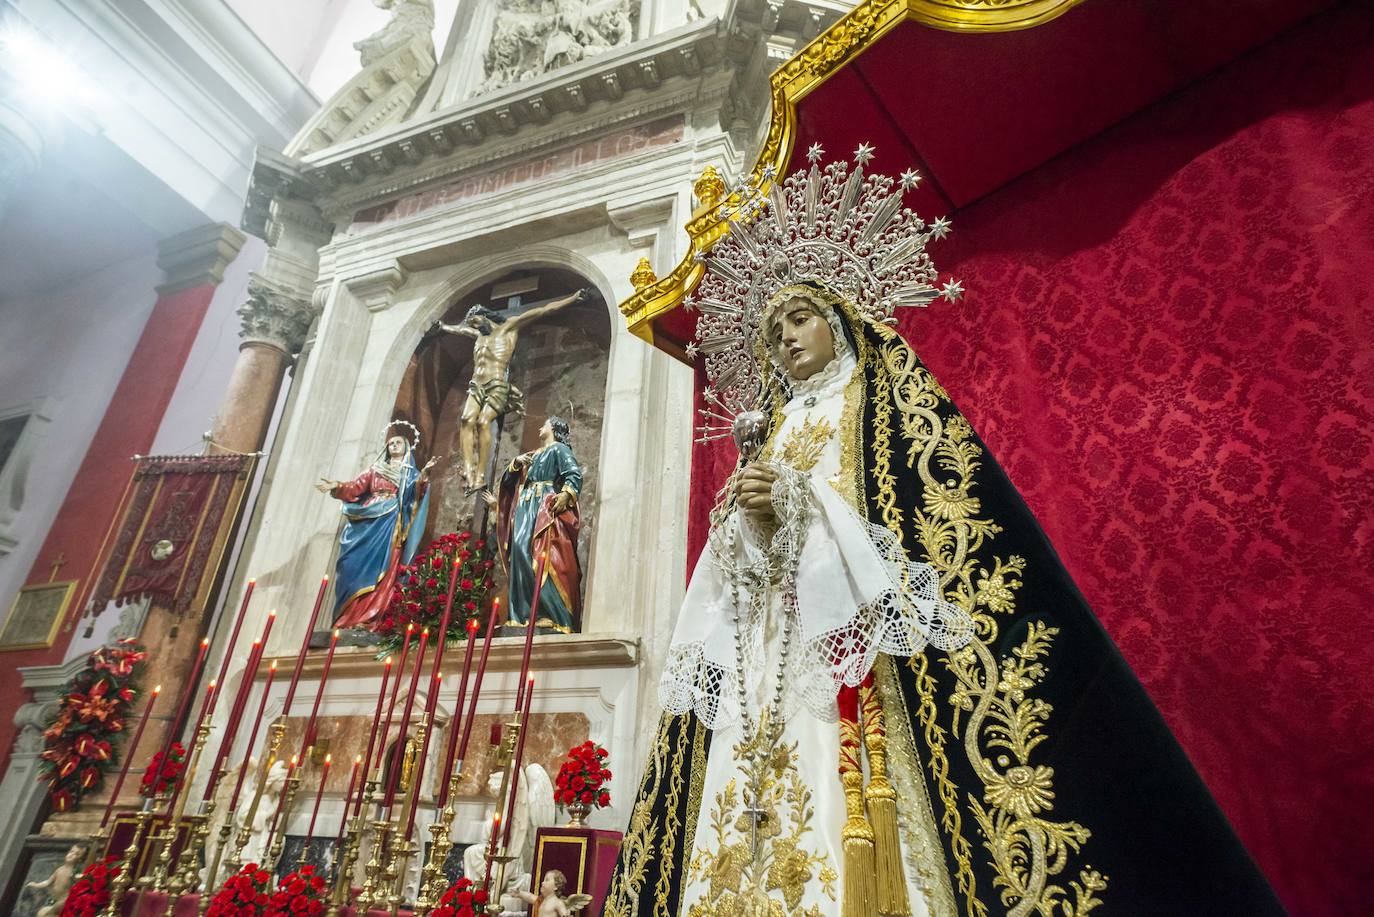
{"x": 375, "y": 289}
{"x": 641, "y": 221}
{"x": 197, "y": 256}
{"x": 274, "y": 316}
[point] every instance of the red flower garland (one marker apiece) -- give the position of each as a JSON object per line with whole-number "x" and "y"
{"x": 243, "y": 894}
{"x": 165, "y": 773}
{"x": 299, "y": 893}
{"x": 95, "y": 704}
{"x": 422, "y": 587}
{"x": 462, "y": 899}
{"x": 91, "y": 893}
{"x": 583, "y": 777}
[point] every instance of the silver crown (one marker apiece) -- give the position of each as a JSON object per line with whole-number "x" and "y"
{"x": 834, "y": 225}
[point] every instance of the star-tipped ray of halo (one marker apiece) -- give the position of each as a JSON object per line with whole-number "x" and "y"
{"x": 814, "y": 152}
{"x": 909, "y": 179}
{"x": 952, "y": 291}
{"x": 864, "y": 154}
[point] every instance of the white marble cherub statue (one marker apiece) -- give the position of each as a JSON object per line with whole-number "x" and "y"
{"x": 60, "y": 882}
{"x": 534, "y": 809}
{"x": 551, "y": 901}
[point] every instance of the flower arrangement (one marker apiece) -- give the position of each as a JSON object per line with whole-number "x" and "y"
{"x": 463, "y": 899}
{"x": 583, "y": 777}
{"x": 299, "y": 894}
{"x": 91, "y": 893}
{"x": 160, "y": 776}
{"x": 78, "y": 744}
{"x": 244, "y": 894}
{"x": 422, "y": 587}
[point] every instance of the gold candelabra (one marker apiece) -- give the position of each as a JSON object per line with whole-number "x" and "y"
{"x": 343, "y": 879}
{"x": 405, "y": 848}
{"x": 433, "y": 880}
{"x": 376, "y": 865}
{"x": 120, "y": 886}
{"x": 500, "y": 859}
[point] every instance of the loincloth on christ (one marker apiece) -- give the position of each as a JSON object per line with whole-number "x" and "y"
{"x": 497, "y": 396}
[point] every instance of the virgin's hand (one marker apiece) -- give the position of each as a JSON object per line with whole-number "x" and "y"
{"x": 754, "y": 490}
{"x": 325, "y": 485}
{"x": 561, "y": 502}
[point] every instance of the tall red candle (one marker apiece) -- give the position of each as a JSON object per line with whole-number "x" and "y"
{"x": 422, "y": 757}
{"x": 372, "y": 734}
{"x": 281, "y": 798}
{"x": 348, "y": 801}
{"x": 405, "y": 716}
{"x": 491, "y": 852}
{"x": 319, "y": 794}
{"x": 253, "y": 735}
{"x": 395, "y": 691}
{"x": 305, "y": 648}
{"x": 519, "y": 757}
{"x": 309, "y": 739}
{"x": 447, "y": 773}
{"x": 129, "y": 756}
{"x": 432, "y": 702}
{"x": 234, "y": 637}
{"x": 231, "y": 729}
{"x": 176, "y": 721}
{"x": 477, "y": 685}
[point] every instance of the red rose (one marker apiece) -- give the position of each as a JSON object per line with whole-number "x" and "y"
{"x": 587, "y": 797}
{"x": 469, "y": 606}
{"x": 578, "y": 783}
{"x": 465, "y": 584}
{"x": 604, "y": 799}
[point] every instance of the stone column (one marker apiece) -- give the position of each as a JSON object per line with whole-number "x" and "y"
{"x": 274, "y": 326}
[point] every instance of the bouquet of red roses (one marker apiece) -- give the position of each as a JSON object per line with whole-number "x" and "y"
{"x": 463, "y": 899}
{"x": 422, "y": 588}
{"x": 583, "y": 777}
{"x": 161, "y": 775}
{"x": 243, "y": 894}
{"x": 78, "y": 744}
{"x": 299, "y": 893}
{"x": 91, "y": 893}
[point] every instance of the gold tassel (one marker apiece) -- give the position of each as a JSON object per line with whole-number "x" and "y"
{"x": 859, "y": 895}
{"x": 882, "y": 810}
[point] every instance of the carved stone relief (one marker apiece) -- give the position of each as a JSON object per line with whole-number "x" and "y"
{"x": 532, "y": 37}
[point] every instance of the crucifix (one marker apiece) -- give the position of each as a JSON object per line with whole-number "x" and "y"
{"x": 58, "y": 563}
{"x": 490, "y": 393}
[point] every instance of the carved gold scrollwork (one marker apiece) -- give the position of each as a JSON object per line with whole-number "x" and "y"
{"x": 792, "y": 82}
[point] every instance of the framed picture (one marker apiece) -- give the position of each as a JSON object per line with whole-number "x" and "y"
{"x": 36, "y": 615}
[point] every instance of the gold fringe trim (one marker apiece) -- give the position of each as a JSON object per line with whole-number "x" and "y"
{"x": 882, "y": 810}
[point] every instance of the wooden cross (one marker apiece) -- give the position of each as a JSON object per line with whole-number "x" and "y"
{"x": 58, "y": 563}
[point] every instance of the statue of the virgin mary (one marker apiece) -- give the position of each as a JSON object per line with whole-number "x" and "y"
{"x": 385, "y": 509}
{"x": 884, "y": 694}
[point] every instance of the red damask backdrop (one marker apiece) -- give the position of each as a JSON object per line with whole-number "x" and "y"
{"x": 1166, "y": 343}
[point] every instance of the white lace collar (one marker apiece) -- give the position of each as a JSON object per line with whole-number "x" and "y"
{"x": 828, "y": 380}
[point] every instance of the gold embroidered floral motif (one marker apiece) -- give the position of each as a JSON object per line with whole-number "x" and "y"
{"x": 803, "y": 446}
{"x": 763, "y": 869}
{"x": 1004, "y": 723}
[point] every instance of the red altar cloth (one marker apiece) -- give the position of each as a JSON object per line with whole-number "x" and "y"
{"x": 586, "y": 856}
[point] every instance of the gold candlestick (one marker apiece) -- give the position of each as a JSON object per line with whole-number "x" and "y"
{"x": 494, "y": 902}
{"x": 343, "y": 879}
{"x": 276, "y": 834}
{"x": 434, "y": 881}
{"x": 396, "y": 873}
{"x": 121, "y": 883}
{"x": 375, "y": 865}
{"x": 276, "y": 732}
{"x": 186, "y": 875}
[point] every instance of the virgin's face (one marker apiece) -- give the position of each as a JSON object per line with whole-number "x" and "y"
{"x": 396, "y": 447}
{"x": 802, "y": 339}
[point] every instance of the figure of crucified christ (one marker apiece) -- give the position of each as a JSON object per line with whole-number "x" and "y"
{"x": 490, "y": 394}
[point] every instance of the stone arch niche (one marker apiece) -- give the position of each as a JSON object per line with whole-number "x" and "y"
{"x": 560, "y": 364}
